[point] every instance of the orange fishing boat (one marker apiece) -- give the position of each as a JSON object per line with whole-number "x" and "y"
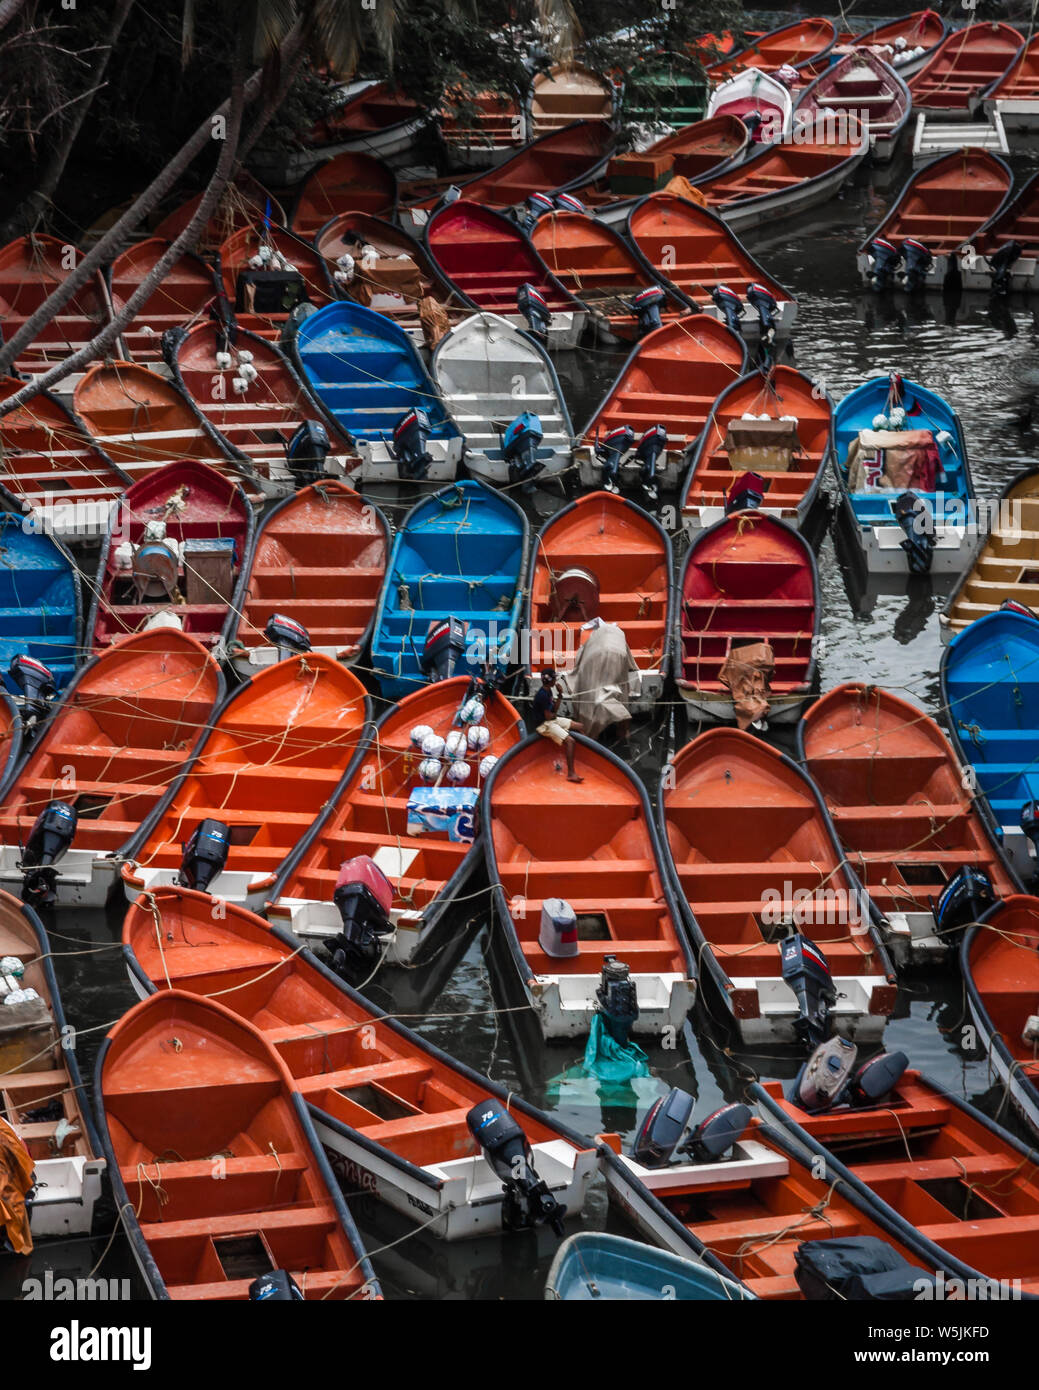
{"x": 1006, "y": 566}
{"x": 894, "y": 788}
{"x": 481, "y": 128}
{"x": 759, "y": 868}
{"x": 31, "y": 269}
{"x": 118, "y": 738}
{"x": 373, "y": 117}
{"x": 779, "y": 424}
{"x": 963, "y": 68}
{"x": 47, "y": 455}
{"x": 380, "y": 812}
{"x": 187, "y": 1092}
{"x": 41, "y": 1090}
{"x": 691, "y": 153}
{"x": 600, "y": 269}
{"x": 906, "y": 43}
{"x": 749, "y": 591}
{"x": 351, "y": 182}
{"x": 692, "y": 249}
{"x": 672, "y": 379}
{"x": 244, "y": 203}
{"x": 294, "y": 725}
{"x": 793, "y": 44}
{"x": 602, "y": 557}
{"x": 320, "y": 558}
{"x": 595, "y": 842}
{"x": 1016, "y": 95}
{"x": 392, "y": 1114}
{"x": 186, "y": 291}
{"x": 254, "y": 252}
{"x": 1007, "y": 246}
{"x": 177, "y": 545}
{"x": 246, "y": 390}
{"x": 10, "y": 740}
{"x": 939, "y": 212}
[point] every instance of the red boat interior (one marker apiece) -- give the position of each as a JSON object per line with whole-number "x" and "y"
{"x": 1022, "y": 77}
{"x": 965, "y": 64}
{"x": 487, "y": 257}
{"x": 484, "y": 120}
{"x": 773, "y": 170}
{"x": 351, "y": 182}
{"x": 794, "y": 44}
{"x": 948, "y": 201}
{"x": 1019, "y": 221}
{"x": 184, "y": 294}
{"x": 46, "y": 454}
{"x": 376, "y": 108}
{"x": 858, "y": 83}
{"x": 1004, "y": 967}
{"x": 245, "y": 203}
{"x": 921, "y": 29}
{"x": 689, "y": 153}
{"x": 240, "y": 248}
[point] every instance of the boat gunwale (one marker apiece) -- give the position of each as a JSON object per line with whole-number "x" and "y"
{"x": 1013, "y": 204}
{"x": 15, "y": 753}
{"x": 755, "y": 46}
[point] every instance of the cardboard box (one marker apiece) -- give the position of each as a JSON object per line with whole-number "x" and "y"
{"x": 763, "y": 446}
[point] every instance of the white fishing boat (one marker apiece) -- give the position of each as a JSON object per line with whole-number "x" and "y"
{"x": 753, "y": 92}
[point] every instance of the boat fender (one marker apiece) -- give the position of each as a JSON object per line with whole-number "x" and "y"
{"x": 824, "y": 1079}
{"x": 557, "y": 934}
{"x": 647, "y": 453}
{"x": 276, "y": 1287}
{"x": 528, "y": 1201}
{"x": 714, "y": 1137}
{"x": 534, "y": 309}
{"x": 662, "y": 1127}
{"x": 807, "y": 972}
{"x": 418, "y": 733}
{"x": 646, "y": 307}
{"x": 459, "y": 772}
{"x": 918, "y": 262}
{"x": 205, "y": 855}
{"x": 878, "y": 1077}
{"x": 429, "y": 769}
{"x": 1000, "y": 263}
{"x": 239, "y": 385}
{"x": 487, "y": 766}
{"x": 964, "y": 899}
{"x": 729, "y": 304}
{"x": 223, "y": 361}
{"x": 886, "y": 259}
{"x": 50, "y": 837}
{"x": 1030, "y": 1032}
{"x": 478, "y": 737}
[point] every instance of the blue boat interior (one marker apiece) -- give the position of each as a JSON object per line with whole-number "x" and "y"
{"x": 367, "y": 372}
{"x": 39, "y": 601}
{"x": 925, "y": 410}
{"x": 594, "y": 1266}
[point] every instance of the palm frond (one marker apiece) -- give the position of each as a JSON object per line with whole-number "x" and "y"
{"x": 339, "y": 32}
{"x": 558, "y": 22}
{"x": 187, "y": 32}
{"x": 273, "y": 20}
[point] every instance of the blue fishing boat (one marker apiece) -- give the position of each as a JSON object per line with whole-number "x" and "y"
{"x": 990, "y": 688}
{"x": 595, "y": 1265}
{"x": 368, "y": 374}
{"x": 460, "y": 555}
{"x": 40, "y": 603}
{"x": 900, "y": 450}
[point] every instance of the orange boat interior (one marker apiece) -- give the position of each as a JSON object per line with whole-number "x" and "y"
{"x": 31, "y": 269}
{"x": 1019, "y": 220}
{"x": 244, "y": 204}
{"x": 46, "y": 454}
{"x": 377, "y": 108}
{"x": 689, "y": 153}
{"x": 184, "y": 293}
{"x": 772, "y": 171}
{"x": 1004, "y": 965}
{"x": 1021, "y": 79}
{"x": 485, "y": 120}
{"x": 948, "y": 202}
{"x": 351, "y": 182}
{"x": 794, "y": 44}
{"x": 968, "y": 61}
{"x": 234, "y": 257}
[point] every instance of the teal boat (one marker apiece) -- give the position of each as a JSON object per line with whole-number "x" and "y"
{"x": 594, "y": 1265}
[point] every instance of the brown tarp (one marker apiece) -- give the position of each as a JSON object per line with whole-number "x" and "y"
{"x": 15, "y": 1185}
{"x": 604, "y": 680}
{"x": 747, "y": 673}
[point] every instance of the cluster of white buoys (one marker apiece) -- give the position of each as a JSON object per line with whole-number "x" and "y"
{"x": 900, "y": 52}
{"x": 448, "y": 756}
{"x": 246, "y": 373}
{"x": 270, "y": 258}
{"x": 894, "y": 420}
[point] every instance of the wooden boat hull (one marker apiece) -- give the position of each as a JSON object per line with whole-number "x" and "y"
{"x": 390, "y": 1117}
{"x": 547, "y": 837}
{"x": 185, "y": 293}
{"x": 370, "y": 816}
{"x": 856, "y": 83}
{"x": 165, "y": 1110}
{"x": 795, "y": 44}
{"x": 275, "y": 758}
{"x": 567, "y": 93}
{"x": 1015, "y": 97}
{"x": 146, "y": 698}
{"x": 39, "y": 1071}
{"x": 1005, "y": 565}
{"x": 31, "y": 269}
{"x": 476, "y": 367}
{"x": 894, "y": 789}
{"x": 963, "y": 68}
{"x": 1017, "y": 220}
{"x": 594, "y": 1265}
{"x": 41, "y": 603}
{"x": 351, "y": 182}
{"x": 373, "y": 118}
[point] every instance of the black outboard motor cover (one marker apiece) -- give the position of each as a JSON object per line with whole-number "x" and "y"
{"x": 662, "y": 1127}
{"x": 730, "y": 305}
{"x": 917, "y": 520}
{"x": 747, "y": 492}
{"x": 886, "y": 258}
{"x": 878, "y": 1077}
{"x": 51, "y": 834}
{"x": 766, "y": 306}
{"x": 536, "y": 206}
{"x": 286, "y": 634}
{"x": 714, "y": 1137}
{"x": 33, "y": 679}
{"x": 617, "y": 999}
{"x": 610, "y": 451}
{"x": 306, "y": 451}
{"x": 918, "y": 262}
{"x": 528, "y": 1201}
{"x": 647, "y": 452}
{"x": 824, "y": 1079}
{"x": 1001, "y": 263}
{"x": 269, "y": 291}
{"x": 1011, "y": 605}
{"x": 967, "y": 895}
{"x": 444, "y": 647}
{"x": 534, "y": 309}
{"x": 205, "y": 855}
{"x": 410, "y": 435}
{"x": 276, "y": 1287}
{"x": 857, "y": 1269}
{"x": 806, "y": 971}
{"x": 566, "y": 202}
{"x": 646, "y": 307}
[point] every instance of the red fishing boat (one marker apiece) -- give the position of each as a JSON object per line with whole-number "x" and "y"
{"x": 247, "y": 259}
{"x": 963, "y": 68}
{"x": 373, "y": 117}
{"x": 272, "y": 763}
{"x": 894, "y": 788}
{"x": 47, "y": 456}
{"x": 749, "y": 596}
{"x": 672, "y": 378}
{"x": 395, "y": 1110}
{"x": 1000, "y": 961}
{"x": 598, "y": 267}
{"x": 779, "y": 423}
{"x": 1016, "y": 95}
{"x": 939, "y": 212}
{"x": 992, "y": 262}
{"x": 121, "y": 734}
{"x": 10, "y": 740}
{"x": 487, "y": 259}
{"x": 756, "y": 859}
{"x": 481, "y": 128}
{"x": 245, "y": 203}
{"x": 31, "y": 269}
{"x": 593, "y": 844}
{"x": 186, "y": 1092}
{"x": 792, "y": 44}
{"x": 384, "y": 810}
{"x": 185, "y": 293}
{"x": 351, "y": 182}
{"x": 856, "y": 85}
{"x": 906, "y": 43}
{"x": 692, "y": 249}
{"x": 177, "y": 546}
{"x": 320, "y": 558}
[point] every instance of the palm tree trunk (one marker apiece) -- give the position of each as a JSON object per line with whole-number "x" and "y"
{"x": 118, "y": 236}
{"x": 99, "y": 345}
{"x": 9, "y": 9}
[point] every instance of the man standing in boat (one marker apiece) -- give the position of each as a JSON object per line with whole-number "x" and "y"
{"x": 550, "y": 725}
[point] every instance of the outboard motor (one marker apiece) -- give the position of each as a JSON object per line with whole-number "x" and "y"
{"x": 967, "y": 895}
{"x": 532, "y": 306}
{"x": 730, "y": 305}
{"x": 646, "y": 307}
{"x": 652, "y": 444}
{"x": 662, "y": 1127}
{"x": 410, "y": 436}
{"x": 714, "y": 1137}
{"x": 276, "y": 1287}
{"x": 917, "y": 520}
{"x": 1011, "y": 605}
{"x": 806, "y": 971}
{"x": 443, "y": 649}
{"x": 824, "y": 1079}
{"x": 291, "y": 638}
{"x": 877, "y": 1078}
{"x": 306, "y": 451}
{"x": 528, "y": 1201}
{"x": 617, "y": 999}
{"x": 611, "y": 451}
{"x": 519, "y": 447}
{"x": 918, "y": 262}
{"x": 205, "y": 855}
{"x": 886, "y": 259}
{"x": 566, "y": 202}
{"x": 449, "y": 195}
{"x": 1030, "y": 825}
{"x": 537, "y": 205}
{"x": 363, "y": 894}
{"x": 752, "y": 119}
{"x": 51, "y": 835}
{"x": 1000, "y": 264}
{"x": 766, "y": 306}
{"x": 747, "y": 491}
{"x": 37, "y": 684}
